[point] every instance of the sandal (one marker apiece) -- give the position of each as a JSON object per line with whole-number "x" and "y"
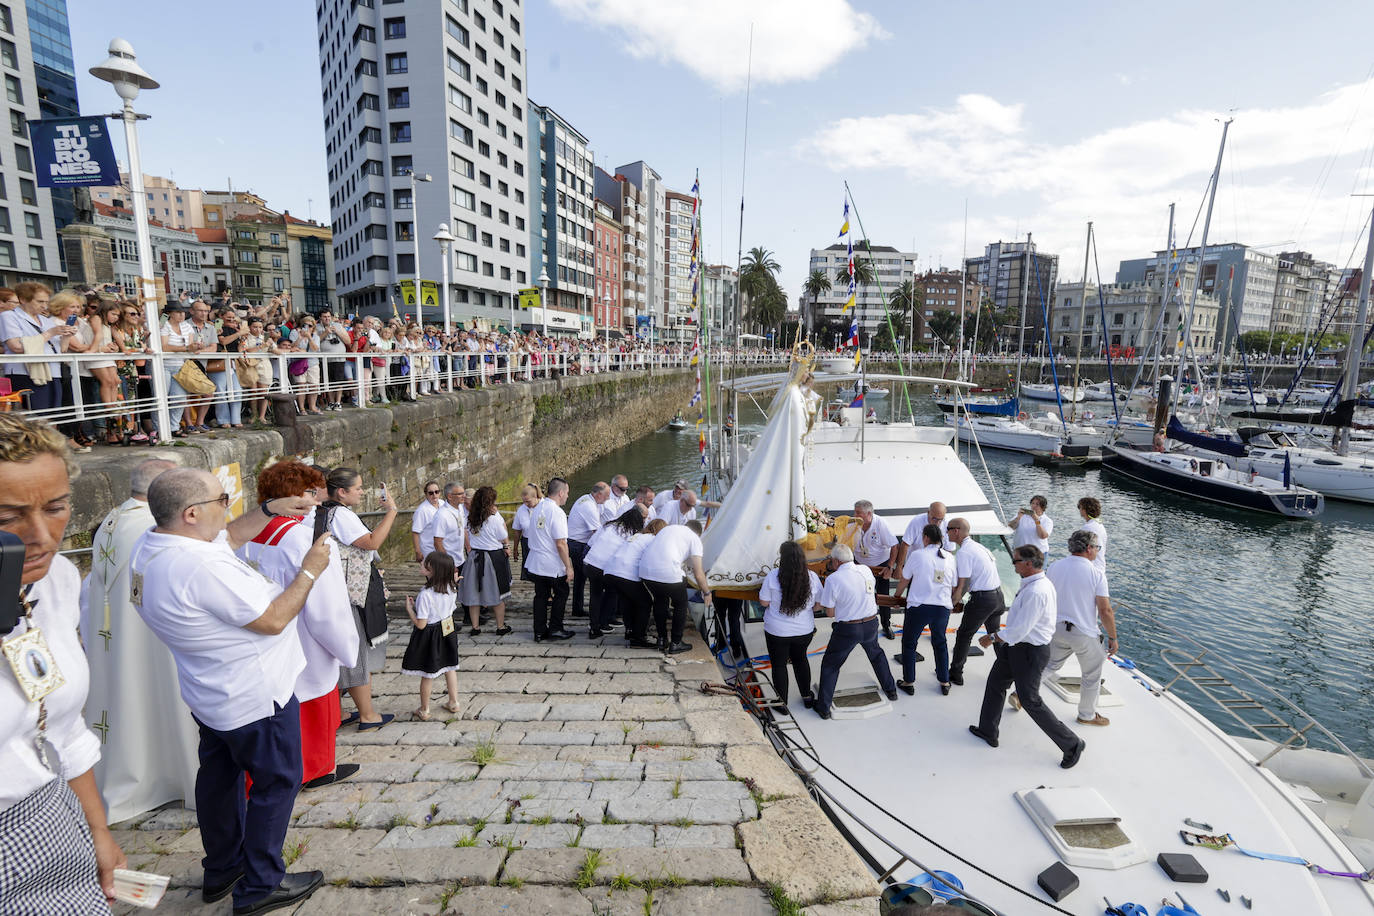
{"x": 453, "y": 707}
{"x": 421, "y": 714}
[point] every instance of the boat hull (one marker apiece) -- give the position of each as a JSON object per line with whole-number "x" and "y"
{"x": 1018, "y": 438}
{"x": 1214, "y": 490}
{"x": 1048, "y": 393}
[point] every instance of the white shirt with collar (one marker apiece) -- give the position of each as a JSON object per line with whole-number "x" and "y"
{"x": 778, "y": 623}
{"x": 1026, "y": 534}
{"x": 491, "y": 536}
{"x": 875, "y": 545}
{"x": 673, "y": 514}
{"x": 198, "y": 598}
{"x": 1095, "y": 526}
{"x": 624, "y": 563}
{"x": 850, "y": 590}
{"x": 604, "y": 545}
{"x": 976, "y": 563}
{"x": 615, "y": 506}
{"x": 912, "y": 535}
{"x": 1078, "y": 583}
{"x": 421, "y": 517}
{"x": 663, "y": 497}
{"x": 56, "y": 613}
{"x": 1031, "y": 617}
{"x": 585, "y": 518}
{"x": 17, "y": 324}
{"x": 521, "y": 521}
{"x": 547, "y": 525}
{"x": 448, "y": 523}
{"x": 931, "y": 574}
{"x": 663, "y": 558}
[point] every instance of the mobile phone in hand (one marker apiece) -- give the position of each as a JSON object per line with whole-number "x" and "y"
{"x": 384, "y": 493}
{"x": 71, "y": 321}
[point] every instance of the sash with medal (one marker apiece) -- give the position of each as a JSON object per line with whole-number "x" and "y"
{"x": 34, "y": 667}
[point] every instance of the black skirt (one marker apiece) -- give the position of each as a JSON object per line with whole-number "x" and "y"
{"x": 430, "y": 652}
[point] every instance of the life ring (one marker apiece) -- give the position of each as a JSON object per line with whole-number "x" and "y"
{"x": 1087, "y": 414}
{"x": 1023, "y": 416}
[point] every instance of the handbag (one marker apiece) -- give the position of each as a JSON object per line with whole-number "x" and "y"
{"x": 192, "y": 380}
{"x": 248, "y": 373}
{"x": 366, "y": 588}
{"x": 214, "y": 365}
{"x": 298, "y": 366}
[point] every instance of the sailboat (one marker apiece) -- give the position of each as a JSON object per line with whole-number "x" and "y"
{"x": 1158, "y": 768}
{"x": 1074, "y": 394}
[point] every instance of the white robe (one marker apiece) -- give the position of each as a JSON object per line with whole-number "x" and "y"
{"x": 149, "y": 753}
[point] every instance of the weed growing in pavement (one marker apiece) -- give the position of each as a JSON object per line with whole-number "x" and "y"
{"x": 586, "y": 874}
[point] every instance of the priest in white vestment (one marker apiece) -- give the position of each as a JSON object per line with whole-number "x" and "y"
{"x": 149, "y": 740}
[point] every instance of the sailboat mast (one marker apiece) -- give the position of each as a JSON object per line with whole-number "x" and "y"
{"x": 1082, "y": 313}
{"x": 963, "y": 286}
{"x": 1355, "y": 351}
{"x": 1202, "y": 255}
{"x": 1021, "y": 316}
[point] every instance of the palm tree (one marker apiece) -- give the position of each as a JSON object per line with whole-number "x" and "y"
{"x": 816, "y": 284}
{"x": 863, "y": 273}
{"x": 767, "y": 308}
{"x": 756, "y": 276}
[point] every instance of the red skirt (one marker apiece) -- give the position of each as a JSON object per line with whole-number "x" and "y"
{"x": 319, "y": 727}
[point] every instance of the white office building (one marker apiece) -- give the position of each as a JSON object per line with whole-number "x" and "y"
{"x": 562, "y": 236}
{"x": 653, "y": 198}
{"x": 891, "y": 268}
{"x": 416, "y": 88}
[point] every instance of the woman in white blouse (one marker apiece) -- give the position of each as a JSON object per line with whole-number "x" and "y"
{"x": 178, "y": 338}
{"x": 788, "y": 596}
{"x": 59, "y": 854}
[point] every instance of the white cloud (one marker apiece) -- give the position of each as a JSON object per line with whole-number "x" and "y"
{"x": 793, "y": 39}
{"x": 1285, "y": 179}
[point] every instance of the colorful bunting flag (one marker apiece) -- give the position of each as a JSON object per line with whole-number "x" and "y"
{"x": 844, "y": 230}
{"x": 849, "y": 242}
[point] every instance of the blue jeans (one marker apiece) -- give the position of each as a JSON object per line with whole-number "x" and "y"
{"x": 247, "y": 834}
{"x": 917, "y": 619}
{"x": 843, "y": 638}
{"x": 174, "y": 391}
{"x": 229, "y": 394}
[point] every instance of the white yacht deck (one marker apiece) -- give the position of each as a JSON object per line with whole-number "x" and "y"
{"x": 1158, "y": 763}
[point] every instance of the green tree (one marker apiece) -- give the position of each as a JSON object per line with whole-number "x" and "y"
{"x": 757, "y": 278}
{"x": 904, "y": 305}
{"x": 768, "y": 306}
{"x": 944, "y": 326}
{"x": 863, "y": 273}
{"x": 816, "y": 284}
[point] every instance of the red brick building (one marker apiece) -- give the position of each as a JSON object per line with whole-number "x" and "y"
{"x": 607, "y": 307}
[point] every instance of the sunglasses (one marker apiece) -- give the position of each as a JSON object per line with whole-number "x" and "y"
{"x": 431, "y": 492}
{"x": 222, "y": 499}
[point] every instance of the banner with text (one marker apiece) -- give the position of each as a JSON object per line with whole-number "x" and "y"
{"x": 73, "y": 151}
{"x": 428, "y": 287}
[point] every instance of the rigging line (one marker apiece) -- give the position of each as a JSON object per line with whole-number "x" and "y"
{"x": 743, "y": 170}
{"x": 1049, "y": 346}
{"x": 1329, "y": 165}
{"x": 882, "y": 294}
{"x": 1102, "y": 310}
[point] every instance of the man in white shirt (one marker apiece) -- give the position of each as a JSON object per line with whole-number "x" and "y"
{"x": 935, "y": 514}
{"x": 424, "y": 514}
{"x": 619, "y": 500}
{"x": 679, "y": 511}
{"x": 232, "y": 633}
{"x": 584, "y": 521}
{"x": 1083, "y": 599}
{"x": 646, "y": 499}
{"x": 1033, "y": 526}
{"x": 548, "y": 561}
{"x": 1023, "y": 650}
{"x": 877, "y": 548}
{"x": 980, "y": 581}
{"x": 927, "y": 581}
{"x": 660, "y": 569}
{"x": 848, "y": 597}
{"x": 444, "y": 531}
{"x": 1090, "y": 508}
{"x": 665, "y": 497}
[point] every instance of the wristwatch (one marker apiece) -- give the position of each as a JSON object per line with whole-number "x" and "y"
{"x": 266, "y": 511}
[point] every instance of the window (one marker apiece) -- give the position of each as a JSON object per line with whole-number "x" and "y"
{"x": 400, "y": 132}
{"x": 459, "y": 99}
{"x": 488, "y": 269}
{"x": 32, "y": 228}
{"x": 276, "y": 238}
{"x": 365, "y": 33}
{"x": 374, "y": 231}
{"x": 465, "y": 199}
{"x": 460, "y": 165}
{"x": 7, "y": 23}
{"x": 374, "y": 199}
{"x": 18, "y": 123}
{"x": 481, "y": 85}
{"x": 401, "y": 165}
{"x": 371, "y": 167}
{"x": 7, "y": 55}
{"x": 366, "y": 67}
{"x": 459, "y": 66}
{"x": 484, "y": 179}
{"x": 465, "y": 230}
{"x": 460, "y": 133}
{"x": 505, "y": 245}
{"x": 484, "y": 148}
{"x": 405, "y": 232}
{"x": 7, "y": 248}
{"x": 397, "y": 63}
{"x": 481, "y": 53}
{"x": 370, "y": 135}
{"x": 398, "y": 97}
{"x": 4, "y": 220}
{"x": 401, "y": 199}
{"x": 277, "y": 284}
{"x": 462, "y": 260}
{"x": 369, "y": 102}
{"x": 12, "y": 90}
{"x": 276, "y": 261}
{"x": 248, "y": 257}
{"x": 394, "y": 28}
{"x": 27, "y": 192}
{"x": 486, "y": 239}
{"x": 482, "y": 118}
{"x": 456, "y": 30}
{"x": 405, "y": 263}
{"x": 246, "y": 234}
{"x": 23, "y": 158}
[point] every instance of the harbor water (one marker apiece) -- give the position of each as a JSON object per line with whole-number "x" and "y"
{"x": 1291, "y": 601}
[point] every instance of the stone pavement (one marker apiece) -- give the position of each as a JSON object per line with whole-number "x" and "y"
{"x": 580, "y": 777}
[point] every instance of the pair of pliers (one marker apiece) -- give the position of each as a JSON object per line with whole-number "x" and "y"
{"x": 1126, "y": 909}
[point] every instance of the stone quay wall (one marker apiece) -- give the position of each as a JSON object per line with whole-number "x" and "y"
{"x": 501, "y": 435}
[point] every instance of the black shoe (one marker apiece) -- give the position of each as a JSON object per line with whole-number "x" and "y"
{"x": 294, "y": 888}
{"x": 944, "y": 689}
{"x": 978, "y": 732}
{"x": 675, "y": 648}
{"x": 474, "y": 632}
{"x": 613, "y": 625}
{"x": 539, "y": 637}
{"x": 975, "y": 650}
{"x": 897, "y": 657}
{"x": 561, "y": 634}
{"x": 888, "y": 634}
{"x": 341, "y": 772}
{"x": 823, "y": 713}
{"x": 596, "y": 634}
{"x": 503, "y": 631}
{"x": 908, "y": 689}
{"x": 368, "y": 726}
{"x": 739, "y": 651}
{"x": 578, "y": 614}
{"x": 809, "y": 700}
{"x": 956, "y": 679}
{"x": 892, "y": 694}
{"x": 1071, "y": 758}
{"x": 212, "y": 892}
{"x": 782, "y": 710}
{"x": 642, "y": 644}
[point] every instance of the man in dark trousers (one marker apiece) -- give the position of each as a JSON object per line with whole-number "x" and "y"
{"x": 978, "y": 578}
{"x": 1023, "y": 650}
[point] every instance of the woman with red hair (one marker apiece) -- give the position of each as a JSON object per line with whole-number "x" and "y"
{"x": 325, "y": 626}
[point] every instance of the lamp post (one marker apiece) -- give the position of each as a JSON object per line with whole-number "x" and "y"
{"x": 122, "y": 71}
{"x": 415, "y": 226}
{"x": 606, "y": 305}
{"x": 544, "y": 299}
{"x": 445, "y": 240}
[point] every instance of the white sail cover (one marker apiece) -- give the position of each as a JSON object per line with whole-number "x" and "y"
{"x": 764, "y": 507}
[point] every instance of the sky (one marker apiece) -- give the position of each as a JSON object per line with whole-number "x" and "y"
{"x": 953, "y": 125}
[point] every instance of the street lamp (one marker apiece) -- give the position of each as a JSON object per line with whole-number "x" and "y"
{"x": 544, "y": 299}
{"x": 415, "y": 226}
{"x": 122, "y": 71}
{"x": 445, "y": 240}
{"x": 606, "y": 305}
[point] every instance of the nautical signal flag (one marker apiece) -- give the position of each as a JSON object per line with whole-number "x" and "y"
{"x": 844, "y": 230}
{"x": 853, "y": 339}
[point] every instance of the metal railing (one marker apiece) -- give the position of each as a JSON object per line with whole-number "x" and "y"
{"x": 1255, "y": 706}
{"x": 358, "y": 377}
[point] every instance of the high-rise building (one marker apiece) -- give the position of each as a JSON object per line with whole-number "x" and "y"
{"x": 940, "y": 291}
{"x": 1020, "y": 278}
{"x": 50, "y": 37}
{"x": 891, "y": 269}
{"x": 169, "y": 204}
{"x": 719, "y": 301}
{"x": 677, "y": 268}
{"x": 28, "y": 232}
{"x": 561, "y": 232}
{"x": 412, "y": 89}
{"x": 609, "y": 294}
{"x": 1302, "y": 287}
{"x": 629, "y": 207}
{"x": 1136, "y": 318}
{"x": 310, "y": 263}
{"x": 1242, "y": 278}
{"x": 652, "y": 198}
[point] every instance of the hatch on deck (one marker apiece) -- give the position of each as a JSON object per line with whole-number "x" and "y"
{"x": 1083, "y": 829}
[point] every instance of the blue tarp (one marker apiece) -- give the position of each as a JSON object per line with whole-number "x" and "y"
{"x": 1178, "y": 432}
